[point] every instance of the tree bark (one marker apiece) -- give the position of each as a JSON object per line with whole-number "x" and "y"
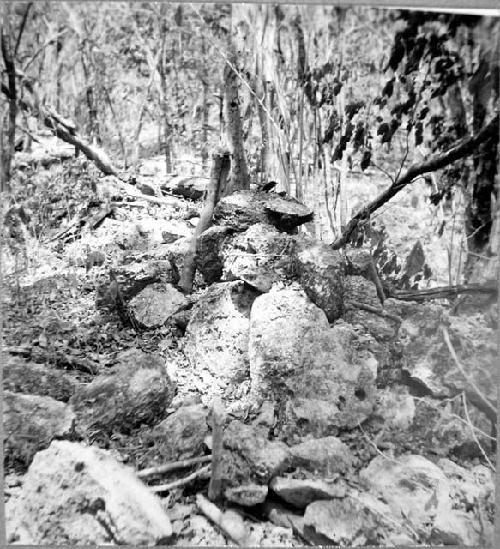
{"x": 240, "y": 179}
{"x": 435, "y": 162}
{"x": 204, "y": 107}
{"x": 216, "y": 188}
{"x": 8, "y": 58}
{"x": 479, "y": 215}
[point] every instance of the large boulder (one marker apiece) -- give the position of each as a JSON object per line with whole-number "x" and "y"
{"x": 320, "y": 271}
{"x": 242, "y": 209}
{"x": 280, "y": 322}
{"x": 327, "y": 373}
{"x": 30, "y": 423}
{"x": 78, "y": 495}
{"x": 216, "y": 341}
{"x": 134, "y": 392}
{"x": 154, "y": 305}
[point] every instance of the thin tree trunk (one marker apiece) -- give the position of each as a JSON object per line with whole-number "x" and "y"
{"x": 479, "y": 215}
{"x": 434, "y": 163}
{"x": 10, "y": 69}
{"x": 239, "y": 179}
{"x": 265, "y": 147}
{"x": 216, "y": 188}
{"x": 204, "y": 107}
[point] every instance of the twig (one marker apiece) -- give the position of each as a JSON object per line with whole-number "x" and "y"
{"x": 374, "y": 310}
{"x": 442, "y": 292}
{"x": 455, "y": 416}
{"x": 172, "y": 466}
{"x": 200, "y": 473}
{"x": 460, "y": 150}
{"x": 476, "y": 440}
{"x": 489, "y": 409}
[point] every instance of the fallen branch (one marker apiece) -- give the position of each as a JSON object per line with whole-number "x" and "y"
{"x": 200, "y": 473}
{"x": 230, "y": 523}
{"x": 443, "y": 292}
{"x": 434, "y": 163}
{"x": 482, "y": 402}
{"x": 380, "y": 312}
{"x": 62, "y": 128}
{"x": 130, "y": 190}
{"x": 173, "y": 466}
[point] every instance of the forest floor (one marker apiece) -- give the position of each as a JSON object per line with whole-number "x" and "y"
{"x": 50, "y": 282}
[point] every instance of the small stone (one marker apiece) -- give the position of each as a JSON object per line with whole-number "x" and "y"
{"x": 328, "y": 455}
{"x": 301, "y": 492}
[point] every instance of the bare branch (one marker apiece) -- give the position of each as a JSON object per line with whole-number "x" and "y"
{"x": 435, "y": 162}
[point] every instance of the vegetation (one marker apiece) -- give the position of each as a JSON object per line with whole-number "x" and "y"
{"x": 166, "y": 163}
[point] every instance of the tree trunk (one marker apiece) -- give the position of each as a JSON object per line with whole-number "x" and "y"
{"x": 239, "y": 179}
{"x": 8, "y": 58}
{"x": 217, "y": 186}
{"x": 204, "y": 107}
{"x": 479, "y": 214}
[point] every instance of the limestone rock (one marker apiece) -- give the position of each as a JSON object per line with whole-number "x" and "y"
{"x": 134, "y": 277}
{"x": 31, "y": 422}
{"x": 78, "y": 495}
{"x": 301, "y": 492}
{"x": 154, "y": 305}
{"x": 209, "y": 260}
{"x": 247, "y": 495}
{"x": 242, "y": 209}
{"x": 320, "y": 272}
{"x": 396, "y": 409}
{"x": 327, "y": 455}
{"x": 134, "y": 392}
{"x": 216, "y": 341}
{"x": 352, "y": 521}
{"x": 192, "y": 188}
{"x": 249, "y": 461}
{"x": 418, "y": 489}
{"x": 327, "y": 373}
{"x": 181, "y": 435}
{"x": 261, "y": 256}
{"x": 280, "y": 321}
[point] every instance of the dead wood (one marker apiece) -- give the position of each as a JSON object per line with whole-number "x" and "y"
{"x": 380, "y": 312}
{"x": 172, "y": 466}
{"x": 200, "y": 473}
{"x": 443, "y": 292}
